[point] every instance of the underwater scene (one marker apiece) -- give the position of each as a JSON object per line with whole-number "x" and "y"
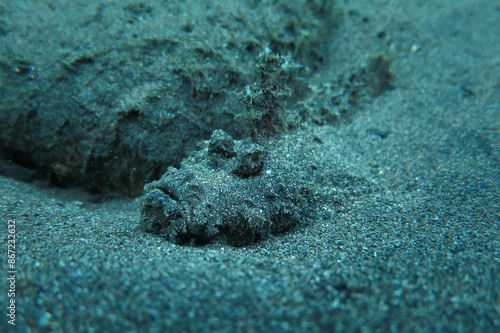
{"x": 250, "y": 166}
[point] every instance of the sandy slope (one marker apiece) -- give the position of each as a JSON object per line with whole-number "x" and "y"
{"x": 407, "y": 242}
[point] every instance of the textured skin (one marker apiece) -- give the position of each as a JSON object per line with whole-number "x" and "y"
{"x": 238, "y": 198}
